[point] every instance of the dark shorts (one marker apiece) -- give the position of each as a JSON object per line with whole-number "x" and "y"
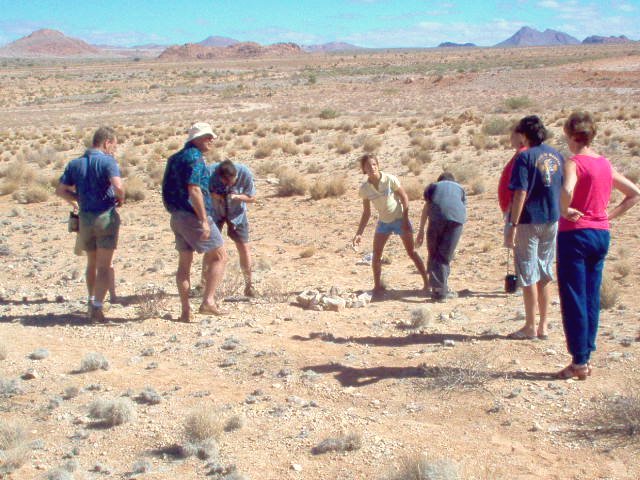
{"x": 98, "y": 230}
{"x": 187, "y": 230}
{"x": 237, "y": 232}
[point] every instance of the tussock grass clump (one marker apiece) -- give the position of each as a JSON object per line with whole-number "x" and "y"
{"x": 623, "y": 268}
{"x": 413, "y": 187}
{"x": 328, "y": 114}
{"x": 149, "y": 396}
{"x": 609, "y": 293}
{"x": 236, "y": 422}
{"x": 93, "y": 361}
{"x": 341, "y": 145}
{"x": 14, "y": 447}
{"x": 32, "y": 194}
{"x": 518, "y": 103}
{"x": 135, "y": 189}
{"x": 152, "y": 303}
{"x": 9, "y": 186}
{"x": 462, "y": 173}
{"x": 203, "y": 424}
{"x": 371, "y": 144}
{"x": 495, "y": 126}
{"x": 265, "y": 147}
{"x": 10, "y": 387}
{"x": 470, "y": 371}
{"x": 616, "y": 419}
{"x": 420, "y": 467}
{"x": 344, "y": 443}
{"x": 328, "y": 187}
{"x": 59, "y": 474}
{"x": 420, "y": 317}
{"x": 112, "y": 412}
{"x": 478, "y": 186}
{"x": 290, "y": 183}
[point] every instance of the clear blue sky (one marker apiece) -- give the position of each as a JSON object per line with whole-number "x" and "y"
{"x": 368, "y": 23}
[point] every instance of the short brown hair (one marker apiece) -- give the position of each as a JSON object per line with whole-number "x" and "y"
{"x": 102, "y": 135}
{"x": 368, "y": 157}
{"x": 580, "y": 127}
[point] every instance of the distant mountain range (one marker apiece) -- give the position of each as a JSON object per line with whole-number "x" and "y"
{"x": 52, "y": 43}
{"x": 456, "y": 45}
{"x": 530, "y": 37}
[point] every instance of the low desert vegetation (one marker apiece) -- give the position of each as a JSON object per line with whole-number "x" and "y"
{"x": 334, "y": 186}
{"x": 495, "y": 126}
{"x": 151, "y": 302}
{"x": 15, "y": 449}
{"x": 609, "y": 293}
{"x": 470, "y": 371}
{"x": 348, "y": 442}
{"x": 291, "y": 182}
{"x": 518, "y": 103}
{"x": 422, "y": 467}
{"x": 308, "y": 252}
{"x": 112, "y": 412}
{"x": 420, "y": 317}
{"x": 616, "y": 419}
{"x": 93, "y": 361}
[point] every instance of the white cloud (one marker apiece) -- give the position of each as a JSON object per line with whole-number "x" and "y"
{"x": 626, "y": 7}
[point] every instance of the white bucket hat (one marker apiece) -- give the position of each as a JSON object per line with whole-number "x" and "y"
{"x": 200, "y": 129}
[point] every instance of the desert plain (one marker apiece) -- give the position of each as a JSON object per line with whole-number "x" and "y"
{"x": 272, "y": 390}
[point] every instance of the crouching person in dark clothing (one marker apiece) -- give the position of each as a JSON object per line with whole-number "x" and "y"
{"x": 445, "y": 207}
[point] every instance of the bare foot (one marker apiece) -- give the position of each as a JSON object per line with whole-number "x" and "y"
{"x": 184, "y": 318}
{"x": 207, "y": 309}
{"x": 522, "y": 334}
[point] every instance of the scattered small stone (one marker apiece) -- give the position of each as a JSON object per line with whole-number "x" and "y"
{"x": 449, "y": 343}
{"x": 536, "y": 427}
{"x": 205, "y": 343}
{"x": 30, "y": 374}
{"x": 516, "y": 392}
{"x": 296, "y": 467}
{"x": 229, "y": 362}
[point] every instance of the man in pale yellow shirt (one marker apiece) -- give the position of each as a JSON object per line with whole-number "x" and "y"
{"x": 391, "y": 202}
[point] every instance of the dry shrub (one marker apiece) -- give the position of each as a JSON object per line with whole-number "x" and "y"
{"x": 518, "y": 103}
{"x": 496, "y": 126}
{"x": 113, "y": 412}
{"x": 93, "y": 361}
{"x": 479, "y": 141}
{"x": 421, "y": 467}
{"x": 266, "y": 147}
{"x": 623, "y": 268}
{"x": 341, "y": 145}
{"x": 32, "y": 194}
{"x": 462, "y": 173}
{"x": 420, "y": 317}
{"x": 413, "y": 188}
{"x": 233, "y": 423}
{"x": 135, "y": 189}
{"x": 469, "y": 371}
{"x": 478, "y": 187}
{"x": 291, "y": 182}
{"x": 616, "y": 419}
{"x": 414, "y": 166}
{"x": 203, "y": 424}
{"x": 308, "y": 252}
{"x": 14, "y": 447}
{"x": 9, "y": 186}
{"x": 328, "y": 114}
{"x": 152, "y": 302}
{"x": 289, "y": 148}
{"x": 422, "y": 142}
{"x": 371, "y": 144}
{"x": 232, "y": 282}
{"x": 343, "y": 443}
{"x": 609, "y": 293}
{"x": 328, "y": 187}
{"x": 267, "y": 167}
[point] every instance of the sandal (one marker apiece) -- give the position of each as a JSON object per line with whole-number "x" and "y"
{"x": 520, "y": 335}
{"x": 574, "y": 371}
{"x": 210, "y": 310}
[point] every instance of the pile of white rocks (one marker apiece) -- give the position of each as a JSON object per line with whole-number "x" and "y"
{"x": 334, "y": 300}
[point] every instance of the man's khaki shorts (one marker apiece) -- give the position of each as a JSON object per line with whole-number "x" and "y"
{"x": 98, "y": 230}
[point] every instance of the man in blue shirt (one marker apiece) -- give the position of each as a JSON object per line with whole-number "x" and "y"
{"x": 92, "y": 184}
{"x": 536, "y": 181}
{"x": 232, "y": 187}
{"x": 445, "y": 207}
{"x": 185, "y": 193}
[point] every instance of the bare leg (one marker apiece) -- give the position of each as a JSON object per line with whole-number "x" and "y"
{"x": 216, "y": 261}
{"x": 91, "y": 273}
{"x": 183, "y": 281}
{"x": 530, "y": 297}
{"x": 544, "y": 294}
{"x": 379, "y": 241}
{"x": 407, "y": 241}
{"x": 244, "y": 252}
{"x": 104, "y": 257}
{"x": 112, "y": 284}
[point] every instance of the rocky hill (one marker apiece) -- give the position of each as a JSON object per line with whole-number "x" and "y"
{"x": 597, "y": 39}
{"x": 217, "y": 41}
{"x": 48, "y": 43}
{"x": 530, "y": 37}
{"x": 238, "y": 50}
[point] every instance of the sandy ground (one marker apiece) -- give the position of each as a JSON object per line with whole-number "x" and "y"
{"x": 455, "y": 388}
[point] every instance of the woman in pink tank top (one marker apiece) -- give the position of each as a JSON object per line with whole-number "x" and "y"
{"x": 583, "y": 238}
